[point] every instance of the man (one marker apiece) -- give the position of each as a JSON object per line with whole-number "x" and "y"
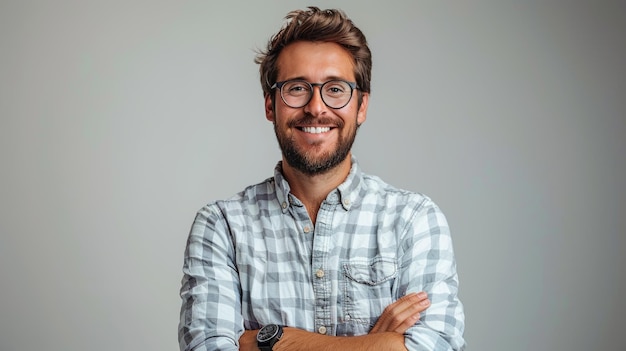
{"x": 321, "y": 256}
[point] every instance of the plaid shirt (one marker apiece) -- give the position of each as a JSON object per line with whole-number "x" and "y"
{"x": 257, "y": 259}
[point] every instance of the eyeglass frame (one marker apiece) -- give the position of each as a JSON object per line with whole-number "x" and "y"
{"x": 279, "y": 85}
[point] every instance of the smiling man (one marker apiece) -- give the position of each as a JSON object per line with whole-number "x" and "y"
{"x": 315, "y": 123}
{"x": 321, "y": 256}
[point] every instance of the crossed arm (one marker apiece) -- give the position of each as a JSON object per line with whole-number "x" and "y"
{"x": 387, "y": 333}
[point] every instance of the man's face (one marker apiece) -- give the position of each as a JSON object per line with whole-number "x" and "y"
{"x": 315, "y": 138}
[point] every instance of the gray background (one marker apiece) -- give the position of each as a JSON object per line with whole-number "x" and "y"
{"x": 120, "y": 119}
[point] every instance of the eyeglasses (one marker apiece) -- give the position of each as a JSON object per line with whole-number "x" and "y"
{"x": 296, "y": 93}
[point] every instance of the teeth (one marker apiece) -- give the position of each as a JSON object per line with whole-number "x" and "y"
{"x": 316, "y": 130}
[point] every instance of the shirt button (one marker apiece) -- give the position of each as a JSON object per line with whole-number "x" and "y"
{"x": 319, "y": 274}
{"x": 307, "y": 229}
{"x": 322, "y": 330}
{"x": 346, "y": 202}
{"x": 284, "y": 204}
{"x": 348, "y": 317}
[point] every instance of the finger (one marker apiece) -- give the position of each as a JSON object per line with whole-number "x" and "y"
{"x": 392, "y": 311}
{"x": 402, "y": 314}
{"x": 407, "y": 312}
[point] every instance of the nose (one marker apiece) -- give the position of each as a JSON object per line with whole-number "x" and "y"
{"x": 316, "y": 105}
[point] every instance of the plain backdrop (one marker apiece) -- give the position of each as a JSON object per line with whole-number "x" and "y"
{"x": 120, "y": 119}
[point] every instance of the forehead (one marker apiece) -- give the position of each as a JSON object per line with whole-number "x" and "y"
{"x": 315, "y": 61}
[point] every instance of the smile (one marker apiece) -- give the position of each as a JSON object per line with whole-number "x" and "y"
{"x": 315, "y": 130}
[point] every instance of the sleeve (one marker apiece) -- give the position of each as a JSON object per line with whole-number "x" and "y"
{"x": 210, "y": 315}
{"x": 428, "y": 264}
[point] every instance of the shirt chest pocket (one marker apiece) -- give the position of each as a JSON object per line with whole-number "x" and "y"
{"x": 367, "y": 287}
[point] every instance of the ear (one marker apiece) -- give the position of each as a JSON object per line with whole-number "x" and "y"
{"x": 269, "y": 108}
{"x": 361, "y": 114}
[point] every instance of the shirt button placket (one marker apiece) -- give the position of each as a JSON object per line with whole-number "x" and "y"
{"x": 322, "y": 285}
{"x": 319, "y": 273}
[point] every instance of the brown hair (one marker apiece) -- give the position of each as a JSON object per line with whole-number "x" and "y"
{"x": 317, "y": 25}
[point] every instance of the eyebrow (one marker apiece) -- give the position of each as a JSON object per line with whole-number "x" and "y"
{"x": 328, "y": 78}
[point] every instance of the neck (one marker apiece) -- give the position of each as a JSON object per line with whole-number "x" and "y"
{"x": 313, "y": 189}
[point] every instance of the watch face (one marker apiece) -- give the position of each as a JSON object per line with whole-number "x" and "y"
{"x": 267, "y": 332}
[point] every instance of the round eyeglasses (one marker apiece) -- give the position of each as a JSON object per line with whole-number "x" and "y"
{"x": 296, "y": 93}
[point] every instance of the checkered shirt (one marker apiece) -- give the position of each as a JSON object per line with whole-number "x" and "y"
{"x": 257, "y": 259}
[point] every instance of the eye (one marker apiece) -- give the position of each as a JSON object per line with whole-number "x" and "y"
{"x": 296, "y": 88}
{"x": 336, "y": 88}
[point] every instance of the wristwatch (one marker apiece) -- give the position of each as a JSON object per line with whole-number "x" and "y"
{"x": 268, "y": 336}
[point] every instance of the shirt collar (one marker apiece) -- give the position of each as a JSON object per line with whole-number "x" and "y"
{"x": 346, "y": 193}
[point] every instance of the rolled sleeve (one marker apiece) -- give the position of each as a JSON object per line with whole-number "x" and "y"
{"x": 428, "y": 264}
{"x": 210, "y": 316}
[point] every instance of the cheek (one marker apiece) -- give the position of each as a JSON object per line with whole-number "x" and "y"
{"x": 284, "y": 115}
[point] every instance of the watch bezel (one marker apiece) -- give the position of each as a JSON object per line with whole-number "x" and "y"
{"x": 263, "y": 334}
{"x": 266, "y": 341}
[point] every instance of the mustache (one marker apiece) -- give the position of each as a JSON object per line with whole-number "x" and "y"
{"x": 309, "y": 119}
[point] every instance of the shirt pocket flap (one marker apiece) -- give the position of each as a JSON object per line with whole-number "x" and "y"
{"x": 374, "y": 272}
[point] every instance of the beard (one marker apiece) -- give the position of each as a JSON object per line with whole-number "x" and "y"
{"x": 307, "y": 162}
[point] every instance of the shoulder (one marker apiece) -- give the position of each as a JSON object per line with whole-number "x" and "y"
{"x": 252, "y": 197}
{"x": 404, "y": 207}
{"x": 374, "y": 186}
